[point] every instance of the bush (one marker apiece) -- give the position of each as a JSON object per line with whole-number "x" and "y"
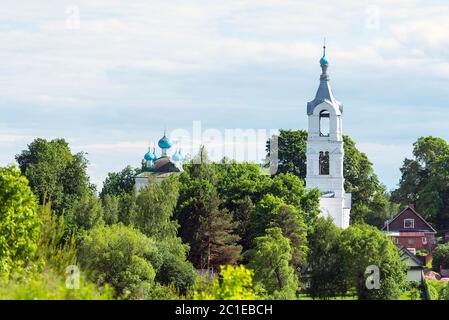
{"x": 438, "y": 290}
{"x": 441, "y": 257}
{"x": 19, "y": 220}
{"x": 49, "y": 286}
{"x": 120, "y": 256}
{"x": 236, "y": 284}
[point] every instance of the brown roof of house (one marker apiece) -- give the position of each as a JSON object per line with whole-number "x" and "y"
{"x": 407, "y": 210}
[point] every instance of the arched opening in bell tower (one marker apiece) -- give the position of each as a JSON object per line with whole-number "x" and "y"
{"x": 324, "y": 123}
{"x": 324, "y": 163}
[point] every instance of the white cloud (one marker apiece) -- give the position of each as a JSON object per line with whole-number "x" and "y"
{"x": 229, "y": 58}
{"x": 11, "y": 139}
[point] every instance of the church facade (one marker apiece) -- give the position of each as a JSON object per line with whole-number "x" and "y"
{"x": 325, "y": 151}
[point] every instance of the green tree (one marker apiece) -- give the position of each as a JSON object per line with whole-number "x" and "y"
{"x": 361, "y": 246}
{"x": 176, "y": 271}
{"x": 290, "y": 221}
{"x": 127, "y": 207}
{"x": 54, "y": 173}
{"x": 19, "y": 220}
{"x": 425, "y": 181}
{"x": 292, "y": 191}
{"x": 54, "y": 250}
{"x": 440, "y": 257}
{"x": 155, "y": 205}
{"x": 240, "y": 186}
{"x": 51, "y": 286}
{"x": 236, "y": 284}
{"x": 84, "y": 214}
{"x": 271, "y": 212}
{"x": 154, "y": 213}
{"x": 208, "y": 229}
{"x": 121, "y": 182}
{"x": 325, "y": 269}
{"x": 264, "y": 213}
{"x": 270, "y": 260}
{"x": 368, "y": 195}
{"x": 291, "y": 151}
{"x": 438, "y": 290}
{"x": 120, "y": 256}
{"x": 111, "y": 208}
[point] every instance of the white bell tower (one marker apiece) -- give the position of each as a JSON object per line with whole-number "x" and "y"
{"x": 325, "y": 151}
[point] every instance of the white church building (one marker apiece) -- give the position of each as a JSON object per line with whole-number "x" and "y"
{"x": 325, "y": 151}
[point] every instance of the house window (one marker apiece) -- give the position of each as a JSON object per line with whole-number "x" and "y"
{"x": 424, "y": 240}
{"x": 411, "y": 242}
{"x": 324, "y": 163}
{"x": 409, "y": 223}
{"x": 396, "y": 241}
{"x": 324, "y": 123}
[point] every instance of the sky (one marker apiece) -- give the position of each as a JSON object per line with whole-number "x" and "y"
{"x": 109, "y": 76}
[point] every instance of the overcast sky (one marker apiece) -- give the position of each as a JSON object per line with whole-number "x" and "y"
{"x": 111, "y": 80}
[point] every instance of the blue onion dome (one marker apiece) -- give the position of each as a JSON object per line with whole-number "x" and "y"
{"x": 323, "y": 61}
{"x": 154, "y": 154}
{"x": 164, "y": 143}
{"x": 177, "y": 156}
{"x": 148, "y": 156}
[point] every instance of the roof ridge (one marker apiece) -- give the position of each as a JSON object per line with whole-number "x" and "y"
{"x": 415, "y": 212}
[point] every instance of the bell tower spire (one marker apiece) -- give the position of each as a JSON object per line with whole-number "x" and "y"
{"x": 325, "y": 150}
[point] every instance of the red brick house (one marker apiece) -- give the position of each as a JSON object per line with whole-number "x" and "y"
{"x": 411, "y": 231}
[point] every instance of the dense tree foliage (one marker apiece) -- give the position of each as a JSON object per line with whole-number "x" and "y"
{"x": 425, "y": 181}
{"x": 120, "y": 256}
{"x": 84, "y": 214}
{"x": 440, "y": 257}
{"x": 51, "y": 286}
{"x": 370, "y": 199}
{"x": 290, "y": 221}
{"x": 175, "y": 269}
{"x": 117, "y": 183}
{"x": 54, "y": 173}
{"x": 271, "y": 212}
{"x": 240, "y": 186}
{"x": 155, "y": 205}
{"x": 292, "y": 191}
{"x": 324, "y": 265}
{"x": 147, "y": 244}
{"x": 19, "y": 221}
{"x": 236, "y": 283}
{"x": 438, "y": 290}
{"x": 111, "y": 209}
{"x": 208, "y": 229}
{"x": 361, "y": 246}
{"x": 339, "y": 261}
{"x": 243, "y": 189}
{"x": 290, "y": 151}
{"x": 270, "y": 260}
{"x": 55, "y": 249}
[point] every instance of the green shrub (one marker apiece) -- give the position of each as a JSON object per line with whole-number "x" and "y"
{"x": 441, "y": 257}
{"x": 438, "y": 290}
{"x": 120, "y": 256}
{"x": 19, "y": 221}
{"x": 49, "y": 286}
{"x": 236, "y": 284}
